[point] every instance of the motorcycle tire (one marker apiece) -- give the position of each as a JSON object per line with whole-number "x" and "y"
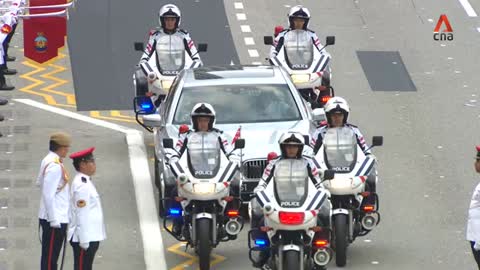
{"x": 204, "y": 247}
{"x": 341, "y": 240}
{"x": 291, "y": 260}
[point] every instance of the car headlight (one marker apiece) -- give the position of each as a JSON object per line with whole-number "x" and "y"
{"x": 300, "y": 78}
{"x": 204, "y": 188}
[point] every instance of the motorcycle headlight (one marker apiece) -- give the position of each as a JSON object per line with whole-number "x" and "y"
{"x": 356, "y": 182}
{"x": 204, "y": 188}
{"x": 300, "y": 78}
{"x": 182, "y": 178}
{"x": 166, "y": 84}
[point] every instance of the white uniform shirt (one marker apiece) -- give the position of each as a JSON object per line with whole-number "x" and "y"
{"x": 86, "y": 223}
{"x": 53, "y": 181}
{"x": 473, "y": 225}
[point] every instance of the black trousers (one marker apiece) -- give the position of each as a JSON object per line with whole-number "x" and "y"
{"x": 83, "y": 259}
{"x": 52, "y": 242}
{"x": 476, "y": 254}
{"x": 6, "y": 42}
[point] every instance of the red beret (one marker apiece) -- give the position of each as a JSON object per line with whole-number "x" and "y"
{"x": 83, "y": 153}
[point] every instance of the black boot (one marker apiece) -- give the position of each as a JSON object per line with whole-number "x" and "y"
{"x": 3, "y": 101}
{"x": 4, "y": 86}
{"x": 2, "y": 118}
{"x": 10, "y": 58}
{"x": 9, "y": 71}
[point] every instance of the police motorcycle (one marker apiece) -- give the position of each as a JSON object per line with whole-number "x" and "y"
{"x": 353, "y": 214}
{"x": 290, "y": 204}
{"x": 156, "y": 75}
{"x": 209, "y": 212}
{"x": 308, "y": 67}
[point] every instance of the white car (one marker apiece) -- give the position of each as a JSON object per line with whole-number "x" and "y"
{"x": 261, "y": 99}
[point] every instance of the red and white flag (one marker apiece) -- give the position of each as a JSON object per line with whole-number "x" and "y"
{"x": 237, "y": 135}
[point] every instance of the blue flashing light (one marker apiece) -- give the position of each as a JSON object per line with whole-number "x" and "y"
{"x": 175, "y": 212}
{"x": 260, "y": 242}
{"x": 146, "y": 106}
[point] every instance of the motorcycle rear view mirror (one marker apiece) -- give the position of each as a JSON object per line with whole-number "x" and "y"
{"x": 268, "y": 40}
{"x": 167, "y": 143}
{"x": 377, "y": 140}
{"x": 143, "y": 105}
{"x": 139, "y": 46}
{"x": 330, "y": 40}
{"x": 307, "y": 139}
{"x": 240, "y": 144}
{"x": 202, "y": 47}
{"x": 328, "y": 174}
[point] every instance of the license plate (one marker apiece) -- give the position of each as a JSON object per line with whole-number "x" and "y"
{"x": 204, "y": 188}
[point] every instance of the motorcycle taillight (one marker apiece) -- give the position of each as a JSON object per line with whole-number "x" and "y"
{"x": 291, "y": 218}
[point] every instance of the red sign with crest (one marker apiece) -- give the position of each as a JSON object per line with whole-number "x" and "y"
{"x": 44, "y": 36}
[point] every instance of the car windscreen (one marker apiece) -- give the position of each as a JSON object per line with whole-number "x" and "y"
{"x": 240, "y": 103}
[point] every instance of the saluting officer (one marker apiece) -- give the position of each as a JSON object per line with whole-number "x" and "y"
{"x": 87, "y": 227}
{"x": 473, "y": 225}
{"x": 55, "y": 200}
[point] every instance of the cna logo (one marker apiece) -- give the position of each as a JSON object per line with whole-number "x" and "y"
{"x": 447, "y": 33}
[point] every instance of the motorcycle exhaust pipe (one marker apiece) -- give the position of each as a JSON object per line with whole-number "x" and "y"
{"x": 369, "y": 221}
{"x": 322, "y": 257}
{"x": 233, "y": 227}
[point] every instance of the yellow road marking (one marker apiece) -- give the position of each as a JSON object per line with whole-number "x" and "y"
{"x": 120, "y": 115}
{"x": 191, "y": 258}
{"x": 35, "y": 82}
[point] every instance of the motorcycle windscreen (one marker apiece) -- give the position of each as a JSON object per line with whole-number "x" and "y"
{"x": 170, "y": 54}
{"x": 340, "y": 149}
{"x": 203, "y": 149}
{"x": 291, "y": 182}
{"x": 298, "y": 49}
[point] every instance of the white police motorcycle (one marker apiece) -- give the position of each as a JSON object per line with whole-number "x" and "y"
{"x": 156, "y": 75}
{"x": 209, "y": 212}
{"x": 308, "y": 67}
{"x": 352, "y": 216}
{"x": 290, "y": 205}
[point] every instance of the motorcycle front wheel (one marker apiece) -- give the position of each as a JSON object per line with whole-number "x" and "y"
{"x": 204, "y": 247}
{"x": 291, "y": 260}
{"x": 341, "y": 240}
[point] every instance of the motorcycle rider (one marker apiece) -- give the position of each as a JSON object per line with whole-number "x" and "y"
{"x": 169, "y": 18}
{"x": 291, "y": 146}
{"x": 202, "y": 120}
{"x": 298, "y": 18}
{"x": 337, "y": 111}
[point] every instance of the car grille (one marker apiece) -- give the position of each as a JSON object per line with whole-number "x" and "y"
{"x": 253, "y": 169}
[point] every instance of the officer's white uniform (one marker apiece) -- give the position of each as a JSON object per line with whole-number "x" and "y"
{"x": 55, "y": 198}
{"x": 87, "y": 223}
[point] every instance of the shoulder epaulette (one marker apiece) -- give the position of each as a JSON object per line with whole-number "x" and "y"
{"x": 84, "y": 180}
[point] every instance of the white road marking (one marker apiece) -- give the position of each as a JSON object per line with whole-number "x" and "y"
{"x": 149, "y": 225}
{"x": 241, "y": 16}
{"x": 256, "y": 63}
{"x": 430, "y": 20}
{"x": 478, "y": 29}
{"x": 246, "y": 28}
{"x": 375, "y": 262}
{"x": 468, "y": 8}
{"x": 249, "y": 41}
{"x": 253, "y": 53}
{"x": 238, "y": 5}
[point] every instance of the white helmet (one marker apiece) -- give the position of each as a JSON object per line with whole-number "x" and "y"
{"x": 291, "y": 138}
{"x": 202, "y": 110}
{"x": 169, "y": 10}
{"x": 337, "y": 104}
{"x": 299, "y": 12}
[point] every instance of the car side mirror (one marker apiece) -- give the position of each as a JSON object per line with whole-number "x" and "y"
{"x": 202, "y": 47}
{"x": 328, "y": 174}
{"x": 377, "y": 141}
{"x": 240, "y": 144}
{"x": 268, "y": 40}
{"x": 139, "y": 46}
{"x": 167, "y": 143}
{"x": 143, "y": 105}
{"x": 318, "y": 114}
{"x": 330, "y": 40}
